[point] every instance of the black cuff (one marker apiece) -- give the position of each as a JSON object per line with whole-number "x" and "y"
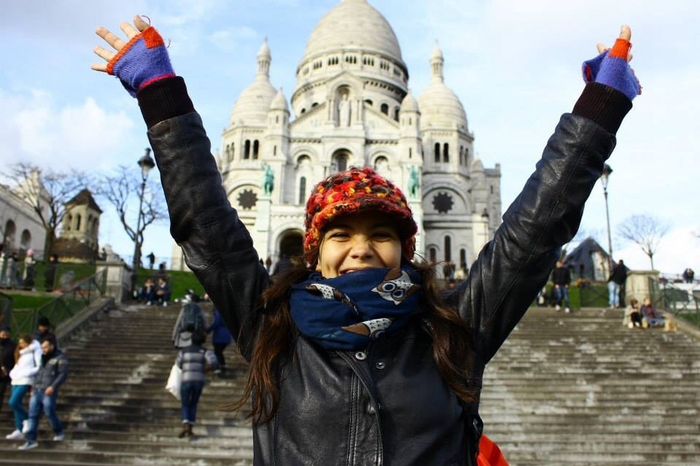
{"x": 164, "y": 99}
{"x": 604, "y": 105}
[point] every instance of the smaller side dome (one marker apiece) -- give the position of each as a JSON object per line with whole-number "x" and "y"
{"x": 279, "y": 102}
{"x": 409, "y": 104}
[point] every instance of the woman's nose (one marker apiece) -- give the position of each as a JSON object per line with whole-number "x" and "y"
{"x": 361, "y": 248}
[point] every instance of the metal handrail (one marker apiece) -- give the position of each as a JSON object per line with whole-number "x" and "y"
{"x": 72, "y": 300}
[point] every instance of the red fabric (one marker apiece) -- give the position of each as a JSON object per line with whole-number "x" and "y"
{"x": 490, "y": 454}
{"x": 352, "y": 191}
{"x": 621, "y": 49}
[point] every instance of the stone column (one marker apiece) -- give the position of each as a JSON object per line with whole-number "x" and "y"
{"x": 118, "y": 279}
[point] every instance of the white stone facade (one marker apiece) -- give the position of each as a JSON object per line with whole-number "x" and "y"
{"x": 20, "y": 227}
{"x": 352, "y": 107}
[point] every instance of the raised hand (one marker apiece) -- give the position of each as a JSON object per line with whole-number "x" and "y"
{"x": 612, "y": 68}
{"x": 140, "y": 61}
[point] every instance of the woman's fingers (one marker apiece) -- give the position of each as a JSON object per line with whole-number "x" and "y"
{"x": 625, "y": 32}
{"x": 110, "y": 38}
{"x": 129, "y": 30}
{"x": 102, "y": 53}
{"x": 140, "y": 24}
{"x": 102, "y": 68}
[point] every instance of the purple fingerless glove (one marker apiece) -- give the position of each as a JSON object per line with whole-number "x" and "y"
{"x": 141, "y": 62}
{"x": 611, "y": 69}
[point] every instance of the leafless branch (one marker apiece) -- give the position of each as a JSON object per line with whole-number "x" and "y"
{"x": 644, "y": 230}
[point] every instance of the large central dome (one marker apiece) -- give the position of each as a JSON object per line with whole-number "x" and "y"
{"x": 354, "y": 24}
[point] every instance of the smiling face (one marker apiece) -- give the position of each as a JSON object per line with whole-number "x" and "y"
{"x": 361, "y": 241}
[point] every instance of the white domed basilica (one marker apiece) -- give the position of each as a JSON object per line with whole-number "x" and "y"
{"x": 352, "y": 107}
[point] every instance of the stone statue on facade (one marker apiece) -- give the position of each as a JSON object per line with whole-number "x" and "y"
{"x": 269, "y": 183}
{"x": 414, "y": 182}
{"x": 344, "y": 111}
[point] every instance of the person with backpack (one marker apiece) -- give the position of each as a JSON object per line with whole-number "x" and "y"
{"x": 194, "y": 360}
{"x": 346, "y": 349}
{"x": 190, "y": 321}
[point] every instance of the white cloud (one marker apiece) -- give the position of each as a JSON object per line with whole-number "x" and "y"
{"x": 34, "y": 129}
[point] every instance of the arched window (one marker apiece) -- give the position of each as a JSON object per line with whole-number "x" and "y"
{"x": 437, "y": 152}
{"x": 25, "y": 240}
{"x": 77, "y": 222}
{"x": 302, "y": 190}
{"x": 381, "y": 165}
{"x": 461, "y": 155}
{"x": 274, "y": 150}
{"x": 231, "y": 152}
{"x": 339, "y": 163}
{"x": 432, "y": 253}
{"x": 303, "y": 110}
{"x": 368, "y": 102}
{"x": 315, "y": 104}
{"x": 448, "y": 249}
{"x": 256, "y": 148}
{"x": 385, "y": 109}
{"x": 246, "y": 151}
{"x": 396, "y": 113}
{"x": 446, "y": 152}
{"x": 463, "y": 258}
{"x": 410, "y": 153}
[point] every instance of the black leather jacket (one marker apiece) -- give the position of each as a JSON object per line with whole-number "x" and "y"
{"x": 387, "y": 405}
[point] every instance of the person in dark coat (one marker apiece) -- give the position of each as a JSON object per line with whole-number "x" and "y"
{"x": 561, "y": 277}
{"x": 7, "y": 361}
{"x": 43, "y": 330}
{"x": 50, "y": 272}
{"x": 354, "y": 357}
{"x": 51, "y": 376}
{"x": 221, "y": 338}
{"x": 616, "y": 281}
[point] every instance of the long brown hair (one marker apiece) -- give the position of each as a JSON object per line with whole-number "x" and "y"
{"x": 451, "y": 337}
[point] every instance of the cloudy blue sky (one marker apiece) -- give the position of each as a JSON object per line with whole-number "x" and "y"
{"x": 514, "y": 64}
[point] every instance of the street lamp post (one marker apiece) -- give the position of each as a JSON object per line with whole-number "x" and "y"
{"x": 604, "y": 180}
{"x": 146, "y": 163}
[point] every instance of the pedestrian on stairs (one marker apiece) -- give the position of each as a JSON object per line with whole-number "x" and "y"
{"x": 189, "y": 321}
{"x": 616, "y": 282}
{"x": 23, "y": 375}
{"x": 561, "y": 279}
{"x": 52, "y": 374}
{"x": 221, "y": 338}
{"x": 194, "y": 361}
{"x": 7, "y": 361}
{"x": 355, "y": 356}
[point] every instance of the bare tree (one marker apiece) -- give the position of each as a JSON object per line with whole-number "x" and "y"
{"x": 122, "y": 189}
{"x": 47, "y": 192}
{"x": 644, "y": 230}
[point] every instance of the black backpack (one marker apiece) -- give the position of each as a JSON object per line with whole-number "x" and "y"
{"x": 192, "y": 318}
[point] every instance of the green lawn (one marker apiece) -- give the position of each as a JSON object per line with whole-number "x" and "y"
{"x": 180, "y": 282}
{"x": 29, "y": 302}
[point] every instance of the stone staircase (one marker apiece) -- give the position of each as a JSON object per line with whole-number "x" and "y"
{"x": 116, "y": 409}
{"x": 565, "y": 389}
{"x": 581, "y": 389}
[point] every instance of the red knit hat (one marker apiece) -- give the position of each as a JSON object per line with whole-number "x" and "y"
{"x": 352, "y": 191}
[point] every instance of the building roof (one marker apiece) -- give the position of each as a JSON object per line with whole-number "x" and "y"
{"x": 440, "y": 107}
{"x": 354, "y": 24}
{"x": 84, "y": 197}
{"x": 254, "y": 102}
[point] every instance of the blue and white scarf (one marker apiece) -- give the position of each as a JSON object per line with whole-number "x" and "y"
{"x": 347, "y": 312}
